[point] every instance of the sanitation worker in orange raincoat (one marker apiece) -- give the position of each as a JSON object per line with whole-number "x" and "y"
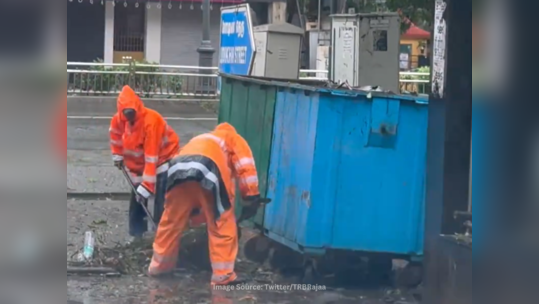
{"x": 203, "y": 175}
{"x": 141, "y": 140}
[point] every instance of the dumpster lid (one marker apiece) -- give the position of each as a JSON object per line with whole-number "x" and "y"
{"x": 325, "y": 87}
{"x": 284, "y": 28}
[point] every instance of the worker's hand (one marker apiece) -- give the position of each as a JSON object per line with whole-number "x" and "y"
{"x": 142, "y": 194}
{"x": 119, "y": 164}
{"x": 250, "y": 207}
{"x": 249, "y": 212}
{"x": 140, "y": 199}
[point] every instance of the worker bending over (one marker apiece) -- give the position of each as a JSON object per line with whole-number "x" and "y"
{"x": 141, "y": 140}
{"x": 203, "y": 176}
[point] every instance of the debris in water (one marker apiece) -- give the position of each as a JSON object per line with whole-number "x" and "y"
{"x": 134, "y": 258}
{"x": 89, "y": 246}
{"x": 91, "y": 270}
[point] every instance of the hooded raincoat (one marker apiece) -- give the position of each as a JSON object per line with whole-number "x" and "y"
{"x": 204, "y": 175}
{"x": 145, "y": 146}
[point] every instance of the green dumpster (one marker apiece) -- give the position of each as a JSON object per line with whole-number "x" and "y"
{"x": 249, "y": 105}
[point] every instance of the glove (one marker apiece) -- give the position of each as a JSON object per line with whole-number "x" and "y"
{"x": 250, "y": 207}
{"x": 119, "y": 164}
{"x": 142, "y": 194}
{"x": 140, "y": 199}
{"x": 248, "y": 212}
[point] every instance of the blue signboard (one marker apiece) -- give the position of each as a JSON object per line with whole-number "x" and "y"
{"x": 237, "y": 47}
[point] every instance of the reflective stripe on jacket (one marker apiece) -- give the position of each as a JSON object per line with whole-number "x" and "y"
{"x": 216, "y": 160}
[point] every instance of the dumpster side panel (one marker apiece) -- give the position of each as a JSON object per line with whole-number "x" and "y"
{"x": 380, "y": 181}
{"x": 325, "y": 169}
{"x": 250, "y": 107}
{"x": 291, "y": 213}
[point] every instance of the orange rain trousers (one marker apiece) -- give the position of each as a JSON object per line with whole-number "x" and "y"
{"x": 222, "y": 234}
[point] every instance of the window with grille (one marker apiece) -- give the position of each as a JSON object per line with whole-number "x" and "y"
{"x": 129, "y": 28}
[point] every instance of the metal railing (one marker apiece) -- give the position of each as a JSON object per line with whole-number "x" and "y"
{"x": 410, "y": 82}
{"x": 415, "y": 82}
{"x": 313, "y": 74}
{"x": 179, "y": 82}
{"x": 148, "y": 80}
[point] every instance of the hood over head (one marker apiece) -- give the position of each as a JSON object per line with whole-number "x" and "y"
{"x": 128, "y": 99}
{"x": 227, "y": 131}
{"x": 225, "y": 127}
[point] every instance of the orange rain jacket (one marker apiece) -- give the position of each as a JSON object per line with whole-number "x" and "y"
{"x": 216, "y": 160}
{"x": 146, "y": 145}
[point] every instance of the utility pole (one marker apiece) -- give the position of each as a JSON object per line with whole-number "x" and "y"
{"x": 448, "y": 156}
{"x": 277, "y": 12}
{"x": 205, "y": 50}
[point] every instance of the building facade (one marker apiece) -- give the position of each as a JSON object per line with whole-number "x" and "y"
{"x": 165, "y": 32}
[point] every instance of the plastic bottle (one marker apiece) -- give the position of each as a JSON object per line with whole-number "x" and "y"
{"x": 89, "y": 243}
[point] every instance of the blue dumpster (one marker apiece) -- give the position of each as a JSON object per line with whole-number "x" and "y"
{"x": 347, "y": 171}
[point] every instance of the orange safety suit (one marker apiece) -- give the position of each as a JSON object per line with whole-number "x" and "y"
{"x": 203, "y": 175}
{"x": 146, "y": 146}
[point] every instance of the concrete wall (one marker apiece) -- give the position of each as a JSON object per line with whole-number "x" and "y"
{"x": 152, "y": 51}
{"x": 172, "y": 34}
{"x": 109, "y": 33}
{"x": 181, "y": 33}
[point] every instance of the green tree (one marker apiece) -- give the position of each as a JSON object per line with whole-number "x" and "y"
{"x": 420, "y": 12}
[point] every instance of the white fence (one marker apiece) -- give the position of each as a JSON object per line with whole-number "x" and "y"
{"x": 160, "y": 81}
{"x": 178, "y": 82}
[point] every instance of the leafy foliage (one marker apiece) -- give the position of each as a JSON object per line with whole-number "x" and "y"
{"x": 103, "y": 80}
{"x": 420, "y": 12}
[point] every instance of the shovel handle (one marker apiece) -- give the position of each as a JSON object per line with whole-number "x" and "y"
{"x": 148, "y": 214}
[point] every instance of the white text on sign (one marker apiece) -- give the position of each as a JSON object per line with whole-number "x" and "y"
{"x": 234, "y": 28}
{"x": 233, "y": 54}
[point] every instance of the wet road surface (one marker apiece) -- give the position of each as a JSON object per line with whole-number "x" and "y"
{"x": 89, "y": 166}
{"x": 106, "y": 106}
{"x": 194, "y": 289}
{"x": 93, "y": 134}
{"x": 108, "y": 220}
{"x": 89, "y": 169}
